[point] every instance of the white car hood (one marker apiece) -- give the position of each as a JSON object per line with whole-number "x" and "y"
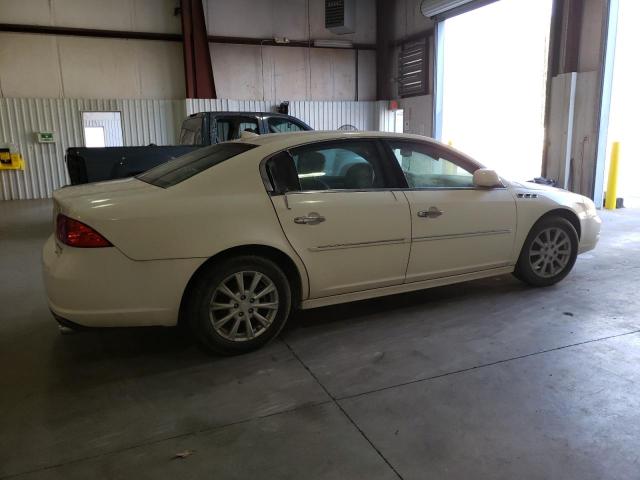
{"x": 536, "y": 186}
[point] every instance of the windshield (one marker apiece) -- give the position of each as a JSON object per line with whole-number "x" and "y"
{"x": 186, "y": 166}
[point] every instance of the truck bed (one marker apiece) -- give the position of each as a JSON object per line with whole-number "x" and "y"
{"x": 86, "y": 165}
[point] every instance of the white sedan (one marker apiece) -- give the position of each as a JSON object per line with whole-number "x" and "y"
{"x": 229, "y": 238}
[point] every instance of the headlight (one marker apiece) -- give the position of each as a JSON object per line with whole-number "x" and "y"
{"x": 589, "y": 206}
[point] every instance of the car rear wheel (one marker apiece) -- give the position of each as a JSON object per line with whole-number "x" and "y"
{"x": 548, "y": 253}
{"x": 239, "y": 305}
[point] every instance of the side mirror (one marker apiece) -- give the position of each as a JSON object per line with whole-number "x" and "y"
{"x": 483, "y": 177}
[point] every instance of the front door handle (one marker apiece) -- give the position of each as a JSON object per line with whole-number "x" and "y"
{"x": 312, "y": 219}
{"x": 433, "y": 212}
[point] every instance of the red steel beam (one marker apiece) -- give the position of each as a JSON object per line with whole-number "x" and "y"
{"x": 195, "y": 46}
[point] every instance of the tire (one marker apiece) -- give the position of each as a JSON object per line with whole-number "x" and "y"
{"x": 548, "y": 253}
{"x": 227, "y": 322}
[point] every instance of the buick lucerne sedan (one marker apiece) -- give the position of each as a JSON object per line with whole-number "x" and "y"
{"x": 230, "y": 238}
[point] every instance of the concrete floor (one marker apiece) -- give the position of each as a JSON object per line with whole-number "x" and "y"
{"x": 489, "y": 379}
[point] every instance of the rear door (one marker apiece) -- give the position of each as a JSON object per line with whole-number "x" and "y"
{"x": 342, "y": 214}
{"x": 457, "y": 228}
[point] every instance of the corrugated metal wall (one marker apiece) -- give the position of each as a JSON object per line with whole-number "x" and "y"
{"x": 143, "y": 122}
{"x": 320, "y": 115}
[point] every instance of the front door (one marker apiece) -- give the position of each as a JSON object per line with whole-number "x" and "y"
{"x": 342, "y": 216}
{"x": 457, "y": 228}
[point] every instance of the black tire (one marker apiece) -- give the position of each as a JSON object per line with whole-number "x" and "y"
{"x": 205, "y": 290}
{"x": 526, "y": 272}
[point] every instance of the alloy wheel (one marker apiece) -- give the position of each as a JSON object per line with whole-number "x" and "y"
{"x": 550, "y": 252}
{"x": 243, "y": 306}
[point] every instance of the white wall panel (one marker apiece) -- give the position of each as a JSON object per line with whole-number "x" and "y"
{"x": 418, "y": 114}
{"x": 57, "y": 66}
{"x": 136, "y": 15}
{"x": 143, "y": 122}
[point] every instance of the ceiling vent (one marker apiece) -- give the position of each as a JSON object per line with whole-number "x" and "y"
{"x": 433, "y": 8}
{"x": 340, "y": 16}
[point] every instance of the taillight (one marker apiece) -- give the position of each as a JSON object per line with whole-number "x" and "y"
{"x": 76, "y": 234}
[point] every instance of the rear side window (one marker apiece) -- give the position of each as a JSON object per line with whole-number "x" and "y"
{"x": 340, "y": 165}
{"x": 224, "y": 129}
{"x": 191, "y": 133}
{"x": 186, "y": 166}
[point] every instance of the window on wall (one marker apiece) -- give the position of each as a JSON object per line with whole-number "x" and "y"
{"x": 412, "y": 69}
{"x": 102, "y": 129}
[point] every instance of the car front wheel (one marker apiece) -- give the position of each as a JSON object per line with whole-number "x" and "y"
{"x": 239, "y": 305}
{"x": 548, "y": 253}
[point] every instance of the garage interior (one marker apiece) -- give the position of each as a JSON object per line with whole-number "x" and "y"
{"x": 485, "y": 379}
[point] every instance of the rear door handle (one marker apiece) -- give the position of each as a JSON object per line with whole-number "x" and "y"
{"x": 312, "y": 219}
{"x": 433, "y": 212}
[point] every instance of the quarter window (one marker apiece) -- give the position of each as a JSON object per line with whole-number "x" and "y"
{"x": 350, "y": 165}
{"x": 427, "y": 167}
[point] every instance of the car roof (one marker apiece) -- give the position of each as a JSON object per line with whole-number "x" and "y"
{"x": 273, "y": 142}
{"x": 253, "y": 114}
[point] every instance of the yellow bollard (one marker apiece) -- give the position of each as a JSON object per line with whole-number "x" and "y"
{"x": 612, "y": 185}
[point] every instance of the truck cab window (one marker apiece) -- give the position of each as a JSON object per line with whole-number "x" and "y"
{"x": 248, "y": 126}
{"x": 282, "y": 125}
{"x": 224, "y": 129}
{"x": 191, "y": 133}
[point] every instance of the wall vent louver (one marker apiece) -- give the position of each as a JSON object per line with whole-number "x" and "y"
{"x": 340, "y": 16}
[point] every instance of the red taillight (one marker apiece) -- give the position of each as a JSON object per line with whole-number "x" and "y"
{"x": 76, "y": 234}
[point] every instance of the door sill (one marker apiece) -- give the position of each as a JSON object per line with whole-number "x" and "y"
{"x": 402, "y": 288}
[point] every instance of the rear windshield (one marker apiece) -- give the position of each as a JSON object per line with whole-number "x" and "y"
{"x": 186, "y": 166}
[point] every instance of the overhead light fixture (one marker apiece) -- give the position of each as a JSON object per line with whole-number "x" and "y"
{"x": 432, "y": 8}
{"x": 333, "y": 43}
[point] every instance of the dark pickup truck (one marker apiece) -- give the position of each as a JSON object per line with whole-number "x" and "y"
{"x": 87, "y": 165}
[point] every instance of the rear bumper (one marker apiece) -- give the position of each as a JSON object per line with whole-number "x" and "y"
{"x": 101, "y": 287}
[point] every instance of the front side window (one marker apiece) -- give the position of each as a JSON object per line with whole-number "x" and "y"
{"x": 427, "y": 167}
{"x": 283, "y": 125}
{"x": 346, "y": 165}
{"x": 186, "y": 166}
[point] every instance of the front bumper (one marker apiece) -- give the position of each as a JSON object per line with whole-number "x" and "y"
{"x": 590, "y": 226}
{"x": 101, "y": 287}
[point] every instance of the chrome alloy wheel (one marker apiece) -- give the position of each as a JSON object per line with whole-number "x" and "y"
{"x": 550, "y": 252}
{"x": 243, "y": 306}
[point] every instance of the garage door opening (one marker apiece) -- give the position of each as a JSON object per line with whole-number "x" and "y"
{"x": 494, "y": 74}
{"x": 625, "y": 104}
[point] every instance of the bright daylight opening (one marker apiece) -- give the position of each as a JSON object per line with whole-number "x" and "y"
{"x": 102, "y": 129}
{"x": 94, "y": 137}
{"x": 625, "y": 104}
{"x": 495, "y": 73}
